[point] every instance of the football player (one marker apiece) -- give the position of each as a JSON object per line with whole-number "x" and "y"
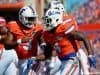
{"x": 26, "y": 32}
{"x": 65, "y": 44}
{"x": 71, "y": 25}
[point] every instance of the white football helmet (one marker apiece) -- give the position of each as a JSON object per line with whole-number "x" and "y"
{"x": 57, "y": 5}
{"x": 28, "y": 16}
{"x": 52, "y": 19}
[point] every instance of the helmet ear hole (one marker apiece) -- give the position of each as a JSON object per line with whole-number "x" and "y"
{"x": 57, "y": 20}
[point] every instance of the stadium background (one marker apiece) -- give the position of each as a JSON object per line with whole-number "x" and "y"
{"x": 86, "y": 13}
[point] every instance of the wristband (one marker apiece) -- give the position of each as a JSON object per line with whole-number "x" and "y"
{"x": 19, "y": 41}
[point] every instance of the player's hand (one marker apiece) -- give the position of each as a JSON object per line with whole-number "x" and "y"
{"x": 26, "y": 39}
{"x": 40, "y": 57}
{"x": 92, "y": 61}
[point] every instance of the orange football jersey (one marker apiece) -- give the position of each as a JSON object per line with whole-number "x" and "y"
{"x": 60, "y": 42}
{"x": 24, "y": 50}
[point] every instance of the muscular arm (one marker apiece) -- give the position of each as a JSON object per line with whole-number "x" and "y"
{"x": 9, "y": 41}
{"x": 81, "y": 37}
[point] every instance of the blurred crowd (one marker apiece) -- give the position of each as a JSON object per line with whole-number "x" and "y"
{"x": 10, "y": 1}
{"x": 88, "y": 13}
{"x": 96, "y": 45}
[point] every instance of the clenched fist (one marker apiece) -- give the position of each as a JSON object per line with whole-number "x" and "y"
{"x": 26, "y": 39}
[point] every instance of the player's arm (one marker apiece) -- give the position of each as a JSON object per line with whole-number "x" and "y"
{"x": 81, "y": 37}
{"x": 9, "y": 41}
{"x": 6, "y": 37}
{"x": 91, "y": 56}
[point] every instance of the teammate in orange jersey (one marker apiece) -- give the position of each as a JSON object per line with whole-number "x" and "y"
{"x": 71, "y": 25}
{"x": 7, "y": 56}
{"x": 58, "y": 40}
{"x": 26, "y": 32}
{"x": 65, "y": 44}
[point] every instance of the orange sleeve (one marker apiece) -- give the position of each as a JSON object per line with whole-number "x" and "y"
{"x": 70, "y": 20}
{"x": 63, "y": 28}
{"x": 15, "y": 29}
{"x": 75, "y": 23}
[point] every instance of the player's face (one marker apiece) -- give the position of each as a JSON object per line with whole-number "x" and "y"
{"x": 31, "y": 19}
{"x": 3, "y": 30}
